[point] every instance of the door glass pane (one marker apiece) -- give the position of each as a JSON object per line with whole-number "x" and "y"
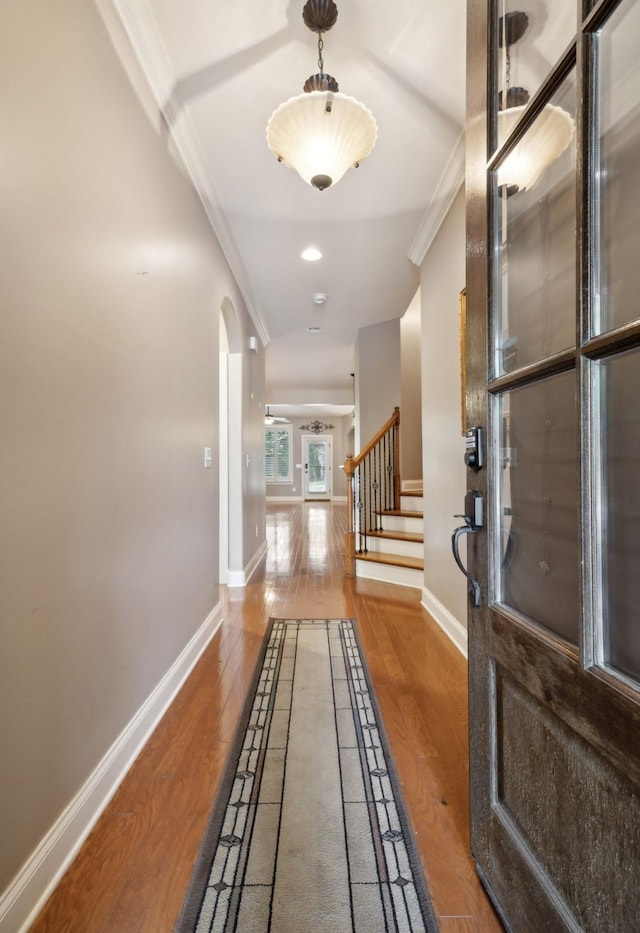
{"x": 538, "y": 575}
{"x": 619, "y": 128}
{"x": 317, "y": 467}
{"x": 620, "y": 521}
{"x": 536, "y": 229}
{"x": 535, "y": 41}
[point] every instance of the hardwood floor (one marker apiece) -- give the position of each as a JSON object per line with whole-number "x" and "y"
{"x": 131, "y": 874}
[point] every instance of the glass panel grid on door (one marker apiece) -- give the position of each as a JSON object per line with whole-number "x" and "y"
{"x": 553, "y": 373}
{"x": 611, "y": 349}
{"x": 616, "y": 143}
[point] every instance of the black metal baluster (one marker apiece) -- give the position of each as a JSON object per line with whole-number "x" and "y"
{"x": 365, "y": 502}
{"x": 383, "y": 472}
{"x": 366, "y": 499}
{"x": 355, "y": 479}
{"x": 394, "y": 465}
{"x": 374, "y": 491}
{"x": 390, "y": 469}
{"x": 362, "y": 515}
{"x": 383, "y": 504}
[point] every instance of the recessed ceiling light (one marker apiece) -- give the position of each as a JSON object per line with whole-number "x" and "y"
{"x": 314, "y": 330}
{"x": 311, "y": 254}
{"x": 319, "y": 298}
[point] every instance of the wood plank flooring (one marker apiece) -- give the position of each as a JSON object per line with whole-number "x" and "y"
{"x": 132, "y": 873}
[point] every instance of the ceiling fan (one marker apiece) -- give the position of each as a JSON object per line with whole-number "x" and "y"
{"x": 272, "y": 419}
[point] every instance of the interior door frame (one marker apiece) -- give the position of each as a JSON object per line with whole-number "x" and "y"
{"x": 476, "y": 356}
{"x": 306, "y": 495}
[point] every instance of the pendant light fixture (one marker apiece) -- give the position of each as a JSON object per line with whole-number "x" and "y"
{"x": 547, "y": 137}
{"x": 321, "y": 133}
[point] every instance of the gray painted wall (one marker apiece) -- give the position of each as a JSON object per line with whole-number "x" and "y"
{"x": 111, "y": 288}
{"x": 340, "y": 449}
{"x": 442, "y": 279}
{"x": 411, "y": 392}
{"x": 377, "y": 378}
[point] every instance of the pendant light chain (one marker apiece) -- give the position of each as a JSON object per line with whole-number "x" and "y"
{"x": 320, "y": 49}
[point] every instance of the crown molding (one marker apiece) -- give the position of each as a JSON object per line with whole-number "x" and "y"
{"x": 449, "y": 185}
{"x": 147, "y": 46}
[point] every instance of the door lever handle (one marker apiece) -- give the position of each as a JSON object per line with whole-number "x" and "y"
{"x": 474, "y": 586}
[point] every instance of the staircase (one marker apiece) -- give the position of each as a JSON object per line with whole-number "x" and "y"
{"x": 384, "y": 539}
{"x": 395, "y": 554}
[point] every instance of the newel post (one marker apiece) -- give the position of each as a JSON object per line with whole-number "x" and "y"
{"x": 350, "y": 536}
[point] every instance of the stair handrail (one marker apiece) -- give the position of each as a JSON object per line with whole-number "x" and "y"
{"x": 365, "y": 487}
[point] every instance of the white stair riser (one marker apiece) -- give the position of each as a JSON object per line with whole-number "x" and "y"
{"x": 387, "y": 573}
{"x": 411, "y": 503}
{"x": 403, "y": 523}
{"x": 395, "y": 546}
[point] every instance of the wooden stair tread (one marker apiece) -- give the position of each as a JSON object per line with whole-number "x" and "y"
{"x": 397, "y": 535}
{"x": 395, "y": 560}
{"x": 418, "y": 493}
{"x": 402, "y": 513}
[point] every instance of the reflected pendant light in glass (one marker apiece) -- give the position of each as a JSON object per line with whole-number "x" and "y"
{"x": 321, "y": 133}
{"x": 550, "y": 133}
{"x": 545, "y": 141}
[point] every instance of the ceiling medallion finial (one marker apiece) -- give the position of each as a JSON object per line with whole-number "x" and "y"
{"x": 321, "y": 133}
{"x": 320, "y": 15}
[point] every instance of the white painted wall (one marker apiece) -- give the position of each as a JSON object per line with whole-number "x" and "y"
{"x": 442, "y": 278}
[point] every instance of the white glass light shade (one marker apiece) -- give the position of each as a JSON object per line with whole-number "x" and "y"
{"x": 546, "y": 139}
{"x": 321, "y": 134}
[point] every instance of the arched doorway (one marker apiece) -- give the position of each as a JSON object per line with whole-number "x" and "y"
{"x": 230, "y": 465}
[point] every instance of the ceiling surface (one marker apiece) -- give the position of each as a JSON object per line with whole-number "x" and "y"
{"x": 218, "y": 69}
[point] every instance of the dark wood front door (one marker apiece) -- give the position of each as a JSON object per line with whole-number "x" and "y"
{"x": 553, "y": 378}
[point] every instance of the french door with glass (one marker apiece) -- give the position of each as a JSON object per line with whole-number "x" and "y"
{"x": 553, "y": 378}
{"x": 316, "y": 457}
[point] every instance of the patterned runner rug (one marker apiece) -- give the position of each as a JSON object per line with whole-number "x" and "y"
{"x": 308, "y": 833}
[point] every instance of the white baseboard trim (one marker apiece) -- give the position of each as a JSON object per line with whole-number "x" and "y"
{"x": 410, "y": 484}
{"x": 255, "y": 561}
{"x": 456, "y": 632}
{"x": 26, "y": 895}
{"x": 388, "y": 573}
{"x": 242, "y": 577}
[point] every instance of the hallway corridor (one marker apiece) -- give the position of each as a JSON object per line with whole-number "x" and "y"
{"x": 132, "y": 872}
